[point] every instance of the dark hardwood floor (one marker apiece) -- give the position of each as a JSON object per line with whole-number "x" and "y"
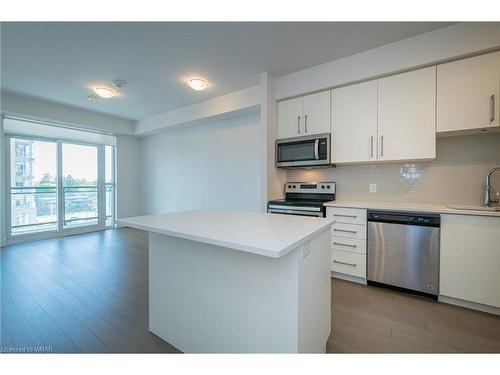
{"x": 85, "y": 293}
{"x": 368, "y": 319}
{"x": 89, "y": 294}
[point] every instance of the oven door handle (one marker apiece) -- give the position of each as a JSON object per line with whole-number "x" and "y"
{"x": 316, "y": 149}
{"x": 294, "y": 208}
{"x": 295, "y": 212}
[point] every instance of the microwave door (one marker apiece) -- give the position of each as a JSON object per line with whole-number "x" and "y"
{"x": 293, "y": 152}
{"x": 302, "y": 151}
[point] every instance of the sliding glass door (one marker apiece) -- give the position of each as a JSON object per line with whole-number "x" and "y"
{"x": 33, "y": 186}
{"x": 58, "y": 186}
{"x": 80, "y": 193}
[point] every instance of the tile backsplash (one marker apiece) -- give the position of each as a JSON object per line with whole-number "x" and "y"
{"x": 456, "y": 176}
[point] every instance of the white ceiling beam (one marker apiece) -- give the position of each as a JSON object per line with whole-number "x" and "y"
{"x": 237, "y": 103}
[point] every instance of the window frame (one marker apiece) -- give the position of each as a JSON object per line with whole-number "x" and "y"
{"x": 60, "y": 230}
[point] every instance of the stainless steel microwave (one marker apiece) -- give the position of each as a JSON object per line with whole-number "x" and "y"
{"x": 306, "y": 151}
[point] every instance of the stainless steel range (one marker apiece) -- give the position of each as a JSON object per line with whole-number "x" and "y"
{"x": 304, "y": 199}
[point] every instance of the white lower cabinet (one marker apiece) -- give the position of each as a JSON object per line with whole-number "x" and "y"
{"x": 349, "y": 244}
{"x": 348, "y": 241}
{"x": 347, "y": 215}
{"x": 356, "y": 231}
{"x": 470, "y": 258}
{"x": 349, "y": 263}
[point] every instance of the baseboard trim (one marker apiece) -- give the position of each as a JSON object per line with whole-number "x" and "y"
{"x": 469, "y": 305}
{"x": 353, "y": 279}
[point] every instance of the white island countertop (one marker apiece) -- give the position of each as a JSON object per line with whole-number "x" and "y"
{"x": 272, "y": 235}
{"x": 414, "y": 207}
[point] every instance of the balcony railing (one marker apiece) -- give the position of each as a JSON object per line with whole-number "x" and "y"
{"x": 33, "y": 209}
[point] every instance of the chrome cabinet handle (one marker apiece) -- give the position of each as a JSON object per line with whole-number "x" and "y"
{"x": 345, "y": 230}
{"x": 340, "y": 215}
{"x": 305, "y": 123}
{"x": 492, "y": 108}
{"x": 347, "y": 264}
{"x": 298, "y": 124}
{"x": 371, "y": 146}
{"x": 381, "y": 145}
{"x": 344, "y": 244}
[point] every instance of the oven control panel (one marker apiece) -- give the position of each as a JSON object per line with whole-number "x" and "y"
{"x": 310, "y": 187}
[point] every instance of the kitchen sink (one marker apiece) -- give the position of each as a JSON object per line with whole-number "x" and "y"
{"x": 475, "y": 208}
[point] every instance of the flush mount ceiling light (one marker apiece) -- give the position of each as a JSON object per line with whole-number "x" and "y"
{"x": 198, "y": 84}
{"x": 105, "y": 93}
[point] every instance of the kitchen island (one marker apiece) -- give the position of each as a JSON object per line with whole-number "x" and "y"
{"x": 229, "y": 281}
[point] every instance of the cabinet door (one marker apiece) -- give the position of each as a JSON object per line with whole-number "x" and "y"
{"x": 290, "y": 118}
{"x": 354, "y": 123}
{"x": 468, "y": 93}
{"x": 470, "y": 258}
{"x": 406, "y": 116}
{"x": 317, "y": 113}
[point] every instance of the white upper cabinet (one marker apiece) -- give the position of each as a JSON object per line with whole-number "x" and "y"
{"x": 290, "y": 118}
{"x": 407, "y": 116}
{"x": 307, "y": 115}
{"x": 317, "y": 113}
{"x": 468, "y": 93}
{"x": 354, "y": 123}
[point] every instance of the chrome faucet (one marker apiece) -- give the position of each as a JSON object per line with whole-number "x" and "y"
{"x": 487, "y": 193}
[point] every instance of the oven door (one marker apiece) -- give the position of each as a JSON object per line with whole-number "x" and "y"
{"x": 303, "y": 151}
{"x": 299, "y": 211}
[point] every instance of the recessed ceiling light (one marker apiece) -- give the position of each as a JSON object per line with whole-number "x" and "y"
{"x": 198, "y": 84}
{"x": 104, "y": 92}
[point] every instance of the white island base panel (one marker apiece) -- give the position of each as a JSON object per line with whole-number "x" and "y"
{"x": 205, "y": 298}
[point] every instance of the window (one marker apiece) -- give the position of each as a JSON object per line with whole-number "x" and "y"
{"x": 20, "y": 170}
{"x": 41, "y": 201}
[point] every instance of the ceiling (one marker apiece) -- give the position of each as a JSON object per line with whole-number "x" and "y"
{"x": 62, "y": 61}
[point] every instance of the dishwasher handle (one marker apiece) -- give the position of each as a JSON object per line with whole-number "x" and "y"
{"x": 405, "y": 218}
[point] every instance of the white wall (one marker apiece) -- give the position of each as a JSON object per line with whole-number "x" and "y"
{"x": 41, "y": 109}
{"x": 2, "y": 180}
{"x": 128, "y": 168}
{"x": 129, "y": 201}
{"x": 216, "y": 164}
{"x": 450, "y": 42}
{"x": 456, "y": 176}
{"x": 274, "y": 178}
{"x": 234, "y": 104}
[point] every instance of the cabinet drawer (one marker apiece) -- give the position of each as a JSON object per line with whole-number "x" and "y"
{"x": 349, "y": 231}
{"x": 347, "y": 215}
{"x": 349, "y": 263}
{"x": 349, "y": 244}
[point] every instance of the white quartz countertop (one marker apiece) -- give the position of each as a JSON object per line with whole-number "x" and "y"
{"x": 272, "y": 235}
{"x": 413, "y": 207}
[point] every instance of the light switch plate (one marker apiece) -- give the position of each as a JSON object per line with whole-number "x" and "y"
{"x": 373, "y": 188}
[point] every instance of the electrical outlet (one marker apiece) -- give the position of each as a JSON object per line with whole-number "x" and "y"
{"x": 373, "y": 188}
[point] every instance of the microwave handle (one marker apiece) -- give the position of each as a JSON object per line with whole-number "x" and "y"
{"x": 316, "y": 149}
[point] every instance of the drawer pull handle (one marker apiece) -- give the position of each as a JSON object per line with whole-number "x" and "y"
{"x": 345, "y": 230}
{"x": 345, "y": 263}
{"x": 340, "y": 215}
{"x": 344, "y": 244}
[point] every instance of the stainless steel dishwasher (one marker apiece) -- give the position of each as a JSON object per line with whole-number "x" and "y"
{"x": 403, "y": 251}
